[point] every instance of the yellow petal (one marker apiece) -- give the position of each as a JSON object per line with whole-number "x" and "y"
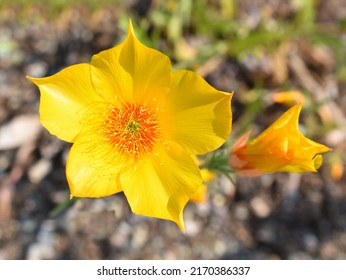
{"x": 89, "y": 176}
{"x": 109, "y": 78}
{"x": 63, "y": 98}
{"x": 300, "y": 165}
{"x": 131, "y": 71}
{"x": 162, "y": 186}
{"x": 200, "y": 116}
{"x": 288, "y": 123}
{"x": 265, "y": 161}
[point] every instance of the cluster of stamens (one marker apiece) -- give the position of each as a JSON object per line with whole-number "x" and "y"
{"x": 132, "y": 128}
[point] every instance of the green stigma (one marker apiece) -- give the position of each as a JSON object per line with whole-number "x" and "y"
{"x": 132, "y": 127}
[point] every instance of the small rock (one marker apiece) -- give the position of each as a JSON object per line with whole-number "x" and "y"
{"x": 39, "y": 170}
{"x": 19, "y": 131}
{"x": 260, "y": 207}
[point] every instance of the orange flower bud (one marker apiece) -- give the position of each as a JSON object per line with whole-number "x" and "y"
{"x": 281, "y": 147}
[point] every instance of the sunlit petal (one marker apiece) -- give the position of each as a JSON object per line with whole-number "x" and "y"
{"x": 131, "y": 71}
{"x": 89, "y": 176}
{"x": 63, "y": 98}
{"x": 200, "y": 116}
{"x": 159, "y": 195}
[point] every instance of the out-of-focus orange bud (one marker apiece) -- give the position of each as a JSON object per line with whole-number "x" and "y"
{"x": 289, "y": 98}
{"x": 200, "y": 196}
{"x": 337, "y": 169}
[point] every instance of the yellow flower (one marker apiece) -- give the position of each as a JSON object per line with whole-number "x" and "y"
{"x": 135, "y": 125}
{"x": 281, "y": 147}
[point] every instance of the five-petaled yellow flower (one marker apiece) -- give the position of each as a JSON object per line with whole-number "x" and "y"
{"x": 135, "y": 126}
{"x": 281, "y": 147}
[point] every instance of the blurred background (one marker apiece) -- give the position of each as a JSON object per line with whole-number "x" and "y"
{"x": 256, "y": 48}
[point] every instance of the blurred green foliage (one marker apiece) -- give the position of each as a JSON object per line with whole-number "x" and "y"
{"x": 217, "y": 22}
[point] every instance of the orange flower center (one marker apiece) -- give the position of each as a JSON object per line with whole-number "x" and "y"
{"x": 132, "y": 128}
